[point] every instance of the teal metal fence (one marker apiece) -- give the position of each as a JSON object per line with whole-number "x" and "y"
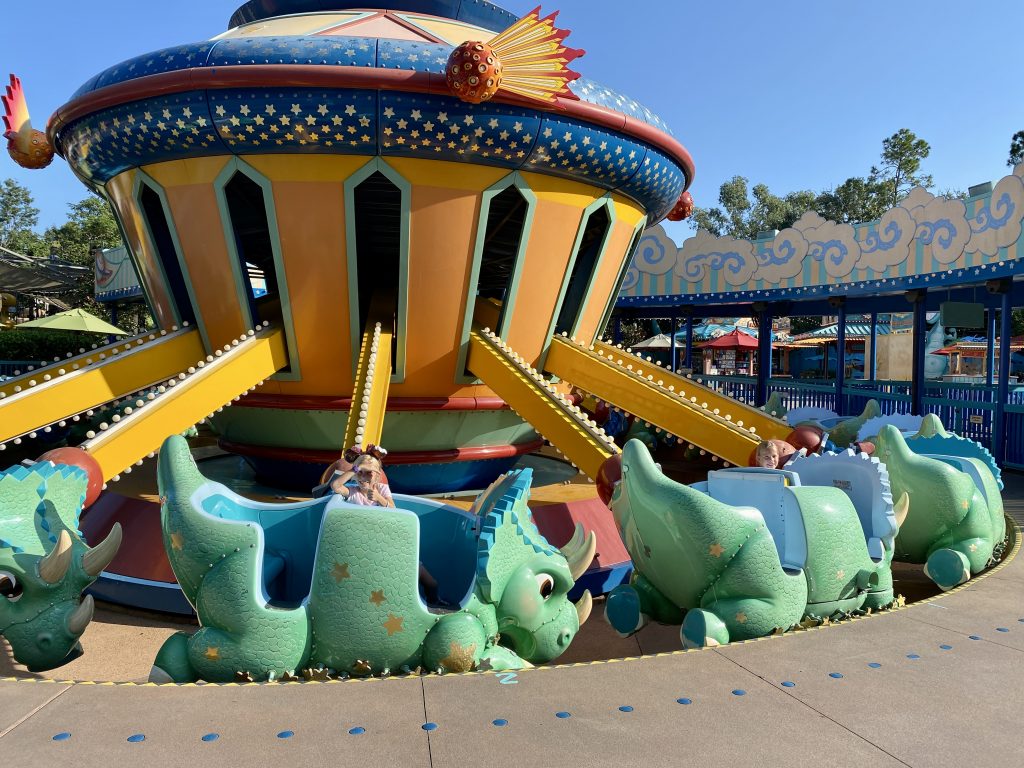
{"x": 967, "y": 409}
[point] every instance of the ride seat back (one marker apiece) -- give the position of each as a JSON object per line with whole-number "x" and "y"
{"x": 968, "y": 467}
{"x": 768, "y": 491}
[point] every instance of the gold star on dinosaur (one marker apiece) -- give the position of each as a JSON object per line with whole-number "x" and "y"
{"x": 965, "y": 504}
{"x": 340, "y": 571}
{"x": 394, "y": 624}
{"x": 840, "y": 575}
{"x": 716, "y": 550}
{"x": 973, "y": 547}
{"x": 212, "y": 653}
{"x": 459, "y": 658}
{"x": 177, "y": 541}
{"x": 377, "y": 597}
{"x": 741, "y": 617}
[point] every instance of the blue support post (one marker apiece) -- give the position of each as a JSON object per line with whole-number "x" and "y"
{"x": 840, "y": 357}
{"x": 764, "y": 354}
{"x": 917, "y": 298}
{"x": 990, "y": 351}
{"x": 689, "y": 342}
{"x": 1003, "y": 387}
{"x": 872, "y": 362}
{"x": 672, "y": 344}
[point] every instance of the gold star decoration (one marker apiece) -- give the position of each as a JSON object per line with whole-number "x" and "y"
{"x": 394, "y": 624}
{"x": 339, "y": 572}
{"x": 177, "y": 541}
{"x": 973, "y": 547}
{"x": 716, "y": 550}
{"x": 212, "y": 653}
{"x": 965, "y": 504}
{"x": 377, "y": 597}
{"x": 741, "y": 617}
{"x": 459, "y": 658}
{"x": 840, "y": 574}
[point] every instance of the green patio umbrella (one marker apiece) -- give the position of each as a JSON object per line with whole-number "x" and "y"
{"x": 75, "y": 320}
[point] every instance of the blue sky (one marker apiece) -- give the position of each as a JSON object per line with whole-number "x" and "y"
{"x": 795, "y": 95}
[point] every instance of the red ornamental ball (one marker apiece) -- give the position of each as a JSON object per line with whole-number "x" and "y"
{"x": 807, "y": 436}
{"x": 607, "y": 476}
{"x": 39, "y": 154}
{"x": 473, "y": 72}
{"x": 76, "y": 457}
{"x": 683, "y": 208}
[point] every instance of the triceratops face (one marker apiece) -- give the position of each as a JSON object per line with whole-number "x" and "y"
{"x": 525, "y": 578}
{"x": 44, "y": 565}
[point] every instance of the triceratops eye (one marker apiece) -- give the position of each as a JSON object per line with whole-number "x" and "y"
{"x": 9, "y": 586}
{"x": 546, "y": 584}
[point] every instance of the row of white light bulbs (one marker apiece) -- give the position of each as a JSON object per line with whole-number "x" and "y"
{"x": 573, "y": 411}
{"x": 364, "y": 400}
{"x": 650, "y": 379}
{"x": 156, "y": 392}
{"x": 113, "y": 349}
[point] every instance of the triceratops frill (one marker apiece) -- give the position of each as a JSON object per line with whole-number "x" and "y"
{"x": 345, "y": 582}
{"x": 45, "y": 565}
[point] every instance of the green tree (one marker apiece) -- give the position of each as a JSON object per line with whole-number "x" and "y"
{"x": 899, "y": 173}
{"x": 1016, "y": 149}
{"x": 90, "y": 225}
{"x": 743, "y": 213}
{"x": 856, "y": 199}
{"x": 17, "y": 216}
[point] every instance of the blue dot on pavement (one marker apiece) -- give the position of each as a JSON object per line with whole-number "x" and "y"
{"x": 913, "y": 656}
{"x": 211, "y": 737}
{"x": 356, "y": 731}
{"x": 975, "y": 637}
{"x": 739, "y": 692}
{"x": 136, "y": 738}
{"x": 1002, "y": 629}
{"x": 500, "y": 722}
{"x": 625, "y": 709}
{"x": 874, "y": 664}
{"x": 562, "y": 715}
{"x": 836, "y": 675}
{"x": 684, "y": 701}
{"x": 946, "y": 647}
{"x": 63, "y": 736}
{"x": 285, "y": 734}
{"x": 788, "y": 684}
{"x": 429, "y": 726}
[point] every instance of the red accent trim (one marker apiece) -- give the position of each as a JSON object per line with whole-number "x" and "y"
{"x": 370, "y": 78}
{"x": 442, "y": 456}
{"x": 328, "y": 403}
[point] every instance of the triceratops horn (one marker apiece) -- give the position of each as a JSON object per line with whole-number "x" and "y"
{"x": 583, "y": 607}
{"x": 581, "y": 557}
{"x": 570, "y": 547}
{"x": 79, "y": 618}
{"x": 53, "y": 567}
{"x": 901, "y": 508}
{"x": 100, "y": 556}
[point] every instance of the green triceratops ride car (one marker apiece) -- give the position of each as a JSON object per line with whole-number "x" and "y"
{"x": 45, "y": 565}
{"x": 326, "y": 587}
{"x": 955, "y": 523}
{"x": 753, "y": 551}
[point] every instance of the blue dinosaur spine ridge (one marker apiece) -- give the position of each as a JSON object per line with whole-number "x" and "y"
{"x": 510, "y": 509}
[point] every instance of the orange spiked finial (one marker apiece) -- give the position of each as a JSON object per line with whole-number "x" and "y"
{"x": 528, "y": 59}
{"x": 28, "y": 147}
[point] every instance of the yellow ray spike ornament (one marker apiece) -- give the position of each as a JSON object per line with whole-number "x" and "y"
{"x": 528, "y": 59}
{"x": 28, "y": 147}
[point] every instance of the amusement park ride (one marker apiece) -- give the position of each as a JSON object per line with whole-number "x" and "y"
{"x": 442, "y": 214}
